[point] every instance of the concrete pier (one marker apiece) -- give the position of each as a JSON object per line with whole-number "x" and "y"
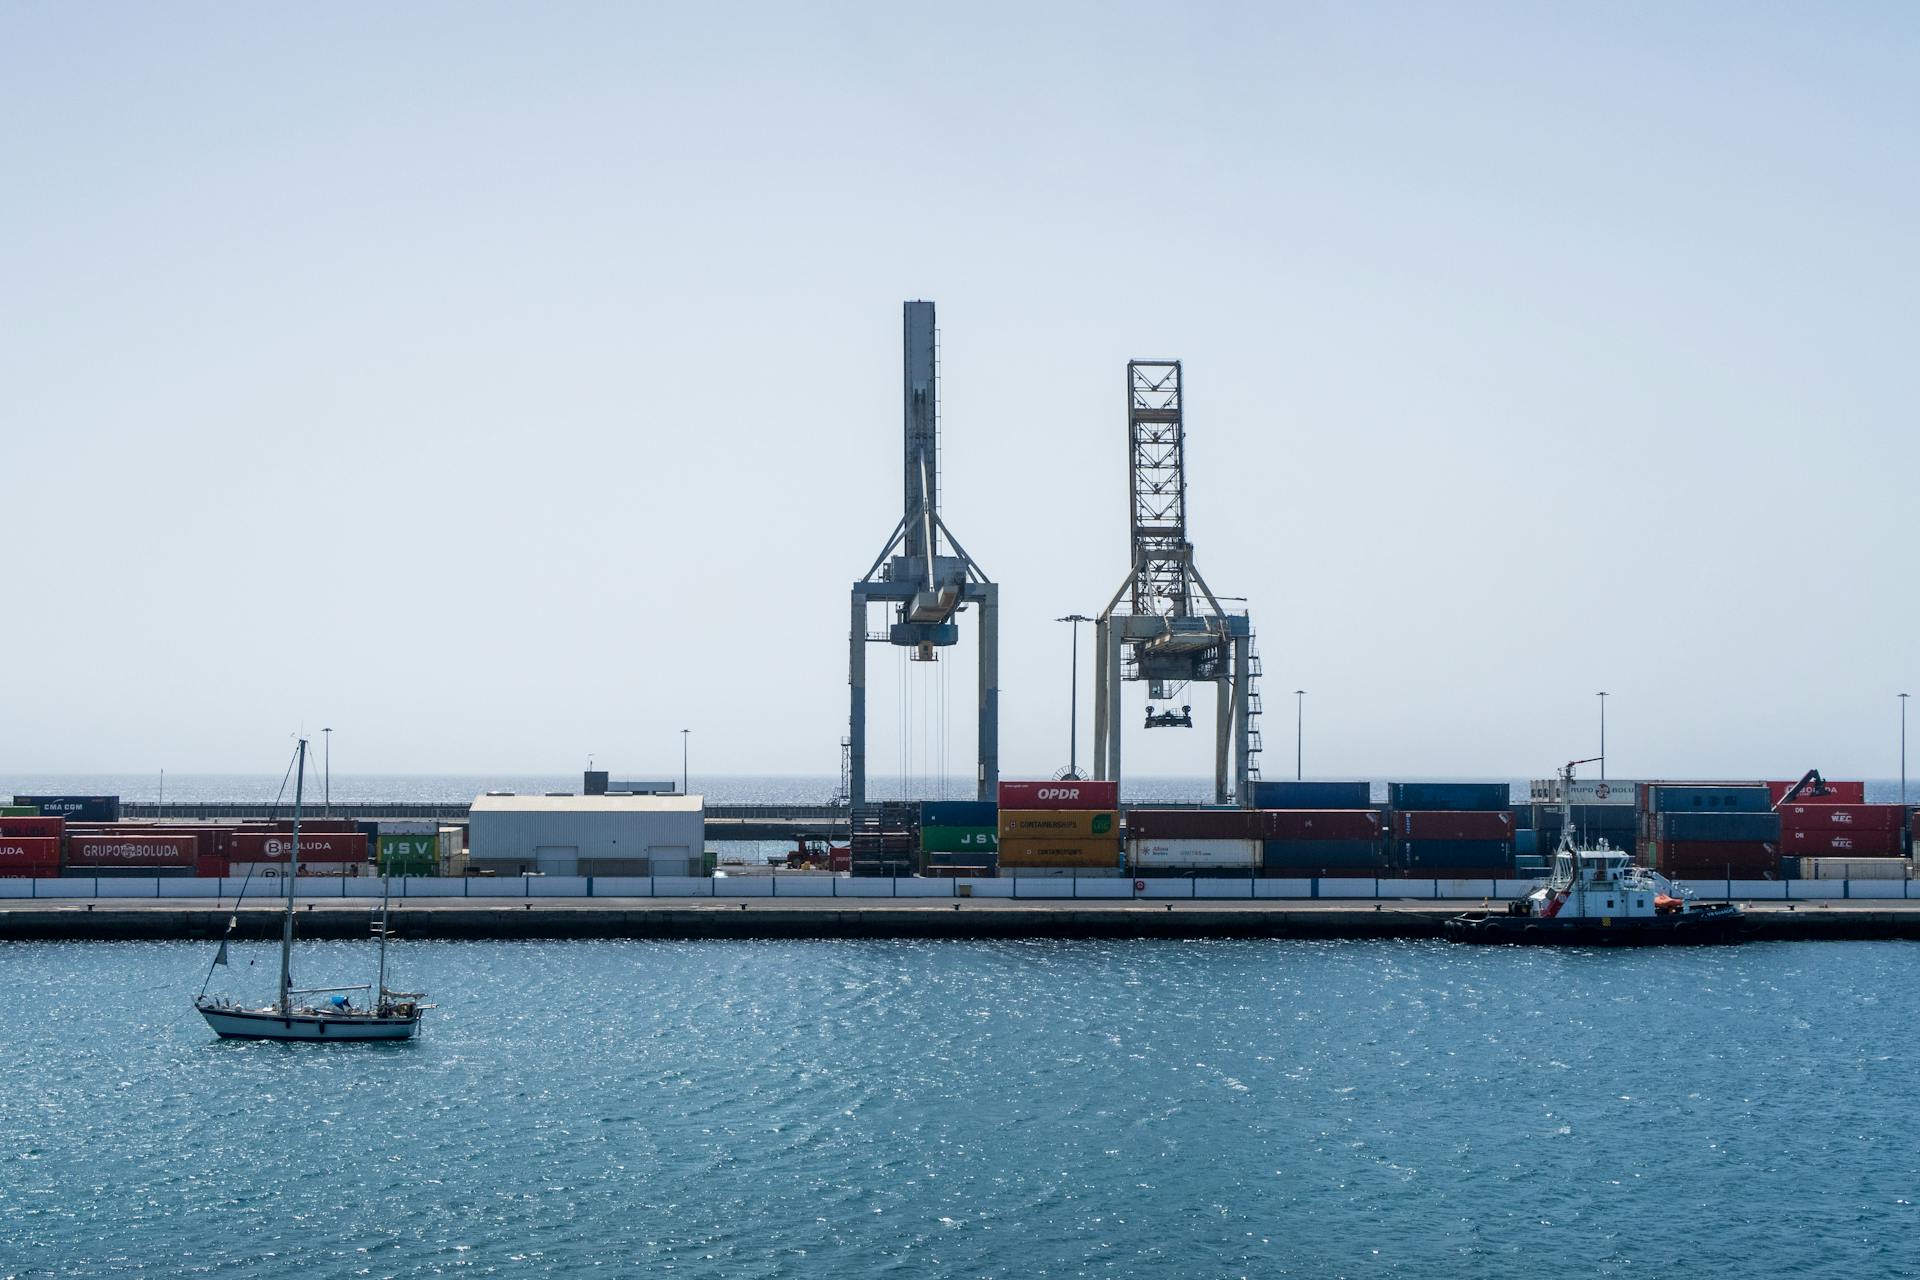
{"x": 611, "y": 918}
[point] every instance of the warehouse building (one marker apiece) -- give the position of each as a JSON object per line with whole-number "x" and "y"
{"x": 609, "y": 835}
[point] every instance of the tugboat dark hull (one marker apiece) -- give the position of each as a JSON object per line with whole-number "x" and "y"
{"x": 1704, "y": 925}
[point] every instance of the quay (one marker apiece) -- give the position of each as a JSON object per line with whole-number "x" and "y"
{"x": 975, "y": 919}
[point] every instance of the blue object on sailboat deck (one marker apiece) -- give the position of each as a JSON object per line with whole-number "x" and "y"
{"x": 339, "y": 1002}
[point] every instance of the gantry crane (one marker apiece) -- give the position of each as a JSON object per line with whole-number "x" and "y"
{"x": 927, "y": 588}
{"x": 1164, "y": 625}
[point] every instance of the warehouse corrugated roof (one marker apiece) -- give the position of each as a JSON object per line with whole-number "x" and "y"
{"x": 589, "y": 804}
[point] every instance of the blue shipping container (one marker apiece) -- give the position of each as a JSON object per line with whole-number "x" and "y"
{"x": 75, "y": 808}
{"x": 1720, "y": 825}
{"x": 1724, "y": 799}
{"x": 1463, "y": 796}
{"x": 1312, "y": 795}
{"x": 1526, "y": 842}
{"x": 1455, "y": 853}
{"x": 959, "y": 813}
{"x": 1322, "y": 853}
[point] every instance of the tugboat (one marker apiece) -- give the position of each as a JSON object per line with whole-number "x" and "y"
{"x": 1597, "y": 897}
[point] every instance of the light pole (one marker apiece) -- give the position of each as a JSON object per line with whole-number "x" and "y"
{"x": 683, "y": 760}
{"x": 1299, "y": 729}
{"x": 1073, "y": 697}
{"x": 1602, "y": 695}
{"x": 326, "y": 771}
{"x": 1903, "y": 749}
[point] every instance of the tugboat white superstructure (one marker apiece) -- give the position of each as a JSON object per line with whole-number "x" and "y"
{"x": 1596, "y": 896}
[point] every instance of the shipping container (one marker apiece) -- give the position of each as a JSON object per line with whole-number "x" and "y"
{"x": 275, "y": 870}
{"x": 1526, "y": 843}
{"x": 1808, "y": 817}
{"x": 1440, "y": 854}
{"x": 1312, "y": 795}
{"x": 131, "y": 851}
{"x": 1492, "y": 871}
{"x": 407, "y": 853}
{"x": 1195, "y": 824}
{"x": 1321, "y": 824}
{"x": 959, "y": 839}
{"x": 1331, "y": 856}
{"x": 1449, "y": 824}
{"x": 1725, "y": 797}
{"x": 1059, "y": 795}
{"x": 1715, "y": 857}
{"x": 1110, "y": 872}
{"x": 1449, "y": 795}
{"x": 55, "y": 827}
{"x": 1853, "y": 868}
{"x": 1719, "y": 825}
{"x": 317, "y": 826}
{"x": 1866, "y": 844}
{"x": 1023, "y": 852}
{"x": 1059, "y": 824}
{"x": 207, "y": 865}
{"x": 1837, "y": 793}
{"x": 29, "y": 856}
{"x": 1148, "y": 855}
{"x": 1611, "y": 792}
{"x": 78, "y": 808}
{"x": 274, "y": 846}
{"x": 959, "y": 813}
{"x": 18, "y": 811}
{"x": 983, "y": 858}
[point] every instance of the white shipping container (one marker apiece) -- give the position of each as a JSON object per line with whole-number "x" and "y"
{"x": 408, "y": 827}
{"x": 1145, "y": 853}
{"x": 1585, "y": 791}
{"x": 1853, "y": 868}
{"x": 263, "y": 871}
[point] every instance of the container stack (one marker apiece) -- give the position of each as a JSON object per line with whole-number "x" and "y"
{"x": 1195, "y": 842}
{"x": 960, "y": 837}
{"x": 1323, "y": 842}
{"x": 1709, "y": 830}
{"x": 1058, "y": 828}
{"x": 1842, "y": 830}
{"x": 1452, "y": 830}
{"x": 882, "y": 842}
{"x": 30, "y": 845}
{"x": 407, "y": 848}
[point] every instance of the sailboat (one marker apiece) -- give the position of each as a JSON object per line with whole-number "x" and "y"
{"x": 313, "y": 1013}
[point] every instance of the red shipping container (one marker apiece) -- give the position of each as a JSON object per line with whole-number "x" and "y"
{"x": 273, "y": 846}
{"x": 29, "y": 856}
{"x": 338, "y": 826}
{"x": 131, "y": 851}
{"x": 1837, "y": 793}
{"x": 1420, "y": 824}
{"x": 1195, "y": 824}
{"x": 1739, "y": 858}
{"x": 1321, "y": 824}
{"x": 55, "y": 827}
{"x": 1837, "y": 841}
{"x": 1059, "y": 795}
{"x": 209, "y": 865}
{"x": 1843, "y": 817}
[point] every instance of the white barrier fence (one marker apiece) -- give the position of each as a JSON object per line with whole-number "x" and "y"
{"x": 1048, "y": 887}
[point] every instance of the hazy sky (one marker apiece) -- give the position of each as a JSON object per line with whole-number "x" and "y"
{"x": 500, "y": 384}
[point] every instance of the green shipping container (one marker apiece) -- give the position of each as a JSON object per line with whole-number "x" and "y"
{"x": 19, "y": 811}
{"x": 410, "y": 855}
{"x": 959, "y": 840}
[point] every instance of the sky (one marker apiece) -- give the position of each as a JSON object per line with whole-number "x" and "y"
{"x": 501, "y": 385}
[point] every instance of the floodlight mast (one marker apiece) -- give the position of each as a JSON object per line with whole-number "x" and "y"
{"x": 1164, "y": 625}
{"x": 923, "y": 571}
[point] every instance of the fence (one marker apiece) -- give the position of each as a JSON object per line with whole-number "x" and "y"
{"x": 1023, "y": 888}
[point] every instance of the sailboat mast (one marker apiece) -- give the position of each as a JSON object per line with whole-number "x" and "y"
{"x": 293, "y": 870}
{"x": 380, "y": 989}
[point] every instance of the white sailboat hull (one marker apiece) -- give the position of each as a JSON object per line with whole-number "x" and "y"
{"x": 268, "y": 1024}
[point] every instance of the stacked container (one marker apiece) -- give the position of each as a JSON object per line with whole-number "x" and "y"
{"x": 960, "y": 835}
{"x": 1839, "y": 829}
{"x": 1710, "y": 829}
{"x": 1322, "y": 842}
{"x": 1312, "y": 795}
{"x": 322, "y": 853}
{"x": 93, "y": 853}
{"x": 1460, "y": 830}
{"x": 1195, "y": 842}
{"x": 1059, "y": 828}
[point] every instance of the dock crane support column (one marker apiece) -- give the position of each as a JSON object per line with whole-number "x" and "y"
{"x": 857, "y": 711}
{"x": 988, "y": 594}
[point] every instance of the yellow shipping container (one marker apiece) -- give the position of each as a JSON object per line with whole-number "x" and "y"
{"x": 1022, "y": 851}
{"x": 1059, "y": 824}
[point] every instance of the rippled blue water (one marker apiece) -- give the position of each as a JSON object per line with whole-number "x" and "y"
{"x": 854, "y": 1109}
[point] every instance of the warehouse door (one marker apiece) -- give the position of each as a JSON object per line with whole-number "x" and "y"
{"x": 668, "y": 860}
{"x": 557, "y": 859}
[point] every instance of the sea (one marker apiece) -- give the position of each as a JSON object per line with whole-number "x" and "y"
{"x": 1016, "y": 1109}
